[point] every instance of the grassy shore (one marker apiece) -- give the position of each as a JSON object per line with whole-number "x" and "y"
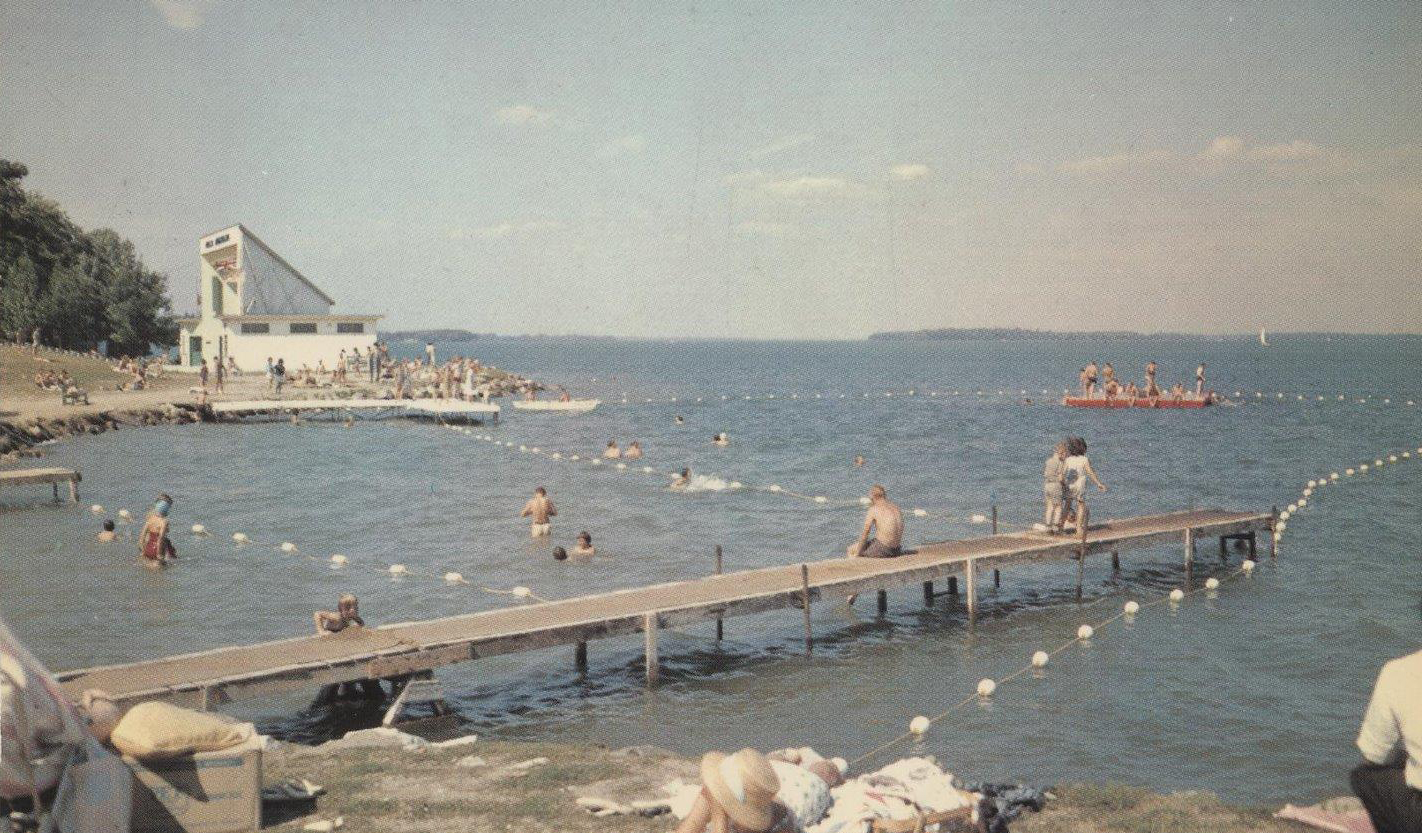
{"x": 24, "y": 402}
{"x": 384, "y": 789}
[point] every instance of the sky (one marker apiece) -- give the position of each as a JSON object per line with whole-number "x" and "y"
{"x": 752, "y": 170}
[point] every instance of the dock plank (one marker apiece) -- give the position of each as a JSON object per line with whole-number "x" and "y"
{"x": 364, "y": 653}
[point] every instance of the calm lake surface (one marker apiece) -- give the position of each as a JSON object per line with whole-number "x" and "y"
{"x": 1254, "y": 693}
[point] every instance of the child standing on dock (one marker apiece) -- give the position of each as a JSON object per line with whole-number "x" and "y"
{"x": 541, "y": 509}
{"x": 1052, "y": 487}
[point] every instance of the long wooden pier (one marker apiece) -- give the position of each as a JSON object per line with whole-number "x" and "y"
{"x": 52, "y": 476}
{"x": 446, "y": 410}
{"x": 210, "y": 678}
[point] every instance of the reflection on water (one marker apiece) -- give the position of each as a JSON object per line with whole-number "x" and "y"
{"x": 1255, "y": 693}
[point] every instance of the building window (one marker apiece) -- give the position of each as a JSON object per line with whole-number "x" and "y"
{"x": 252, "y": 329}
{"x": 303, "y": 328}
{"x": 350, "y": 327}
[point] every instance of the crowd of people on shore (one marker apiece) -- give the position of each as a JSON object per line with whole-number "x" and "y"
{"x": 1100, "y": 381}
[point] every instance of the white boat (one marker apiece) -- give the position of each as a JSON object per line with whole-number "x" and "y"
{"x": 1263, "y": 337}
{"x": 577, "y": 406}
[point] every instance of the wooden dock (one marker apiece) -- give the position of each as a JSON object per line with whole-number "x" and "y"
{"x": 52, "y": 476}
{"x": 210, "y": 678}
{"x": 443, "y": 410}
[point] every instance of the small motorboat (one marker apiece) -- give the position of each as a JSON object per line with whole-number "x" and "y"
{"x": 576, "y": 406}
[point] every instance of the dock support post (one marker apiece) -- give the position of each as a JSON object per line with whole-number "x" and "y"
{"x": 883, "y": 602}
{"x": 996, "y": 573}
{"x": 805, "y": 604}
{"x": 1224, "y": 549}
{"x": 649, "y": 633}
{"x": 1083, "y": 523}
{"x": 928, "y": 593}
{"x": 1253, "y": 542}
{"x": 580, "y": 657}
{"x": 54, "y": 484}
{"x": 953, "y": 585}
{"x": 970, "y": 578}
{"x": 1115, "y": 561}
{"x": 720, "y": 625}
{"x": 74, "y": 491}
{"x": 1189, "y": 555}
{"x": 1273, "y": 525}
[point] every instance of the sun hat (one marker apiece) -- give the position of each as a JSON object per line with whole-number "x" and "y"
{"x": 742, "y": 784}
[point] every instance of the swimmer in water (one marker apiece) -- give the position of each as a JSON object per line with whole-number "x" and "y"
{"x": 108, "y": 534}
{"x": 541, "y": 509}
{"x": 682, "y": 480}
{"x": 560, "y": 554}
{"x": 634, "y": 451}
{"x": 347, "y": 613}
{"x": 154, "y": 546}
{"x": 612, "y": 452}
{"x": 680, "y": 420}
{"x": 721, "y": 439}
{"x": 859, "y": 461}
{"x": 584, "y": 547}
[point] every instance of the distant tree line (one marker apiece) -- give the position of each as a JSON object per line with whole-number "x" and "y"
{"x": 81, "y": 290}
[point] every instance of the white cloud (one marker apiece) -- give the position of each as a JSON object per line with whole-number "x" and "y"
{"x": 506, "y": 229}
{"x": 781, "y": 145}
{"x": 904, "y": 173}
{"x": 1295, "y": 151}
{"x": 631, "y": 145}
{"x": 804, "y": 187}
{"x": 182, "y": 14}
{"x": 1223, "y": 147}
{"x": 523, "y": 114}
{"x": 759, "y": 228}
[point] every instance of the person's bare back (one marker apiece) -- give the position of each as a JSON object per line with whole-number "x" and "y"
{"x": 888, "y": 522}
{"x": 540, "y": 508}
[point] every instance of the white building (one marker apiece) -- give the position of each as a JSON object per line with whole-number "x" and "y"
{"x": 254, "y": 305}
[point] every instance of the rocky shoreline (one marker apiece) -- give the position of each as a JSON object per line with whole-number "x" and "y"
{"x": 23, "y": 439}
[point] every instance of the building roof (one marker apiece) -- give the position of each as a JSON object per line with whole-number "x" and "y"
{"x": 247, "y": 233}
{"x": 353, "y": 316}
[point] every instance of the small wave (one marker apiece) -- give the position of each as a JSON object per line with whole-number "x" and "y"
{"x": 706, "y": 483}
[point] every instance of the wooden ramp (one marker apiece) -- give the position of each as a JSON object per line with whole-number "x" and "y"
{"x": 52, "y": 476}
{"x": 206, "y": 679}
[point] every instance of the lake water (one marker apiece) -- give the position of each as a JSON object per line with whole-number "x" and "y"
{"x": 1254, "y": 693}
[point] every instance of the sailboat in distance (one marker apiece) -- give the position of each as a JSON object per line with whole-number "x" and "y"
{"x": 1263, "y": 337}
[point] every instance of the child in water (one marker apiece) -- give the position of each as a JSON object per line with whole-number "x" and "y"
{"x": 584, "y": 547}
{"x": 154, "y": 546}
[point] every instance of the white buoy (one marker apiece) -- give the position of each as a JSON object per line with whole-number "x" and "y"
{"x": 240, "y": 537}
{"x": 1212, "y": 583}
{"x": 1377, "y": 463}
{"x": 1281, "y": 525}
{"x": 339, "y": 559}
{"x": 919, "y": 513}
{"x": 1039, "y": 527}
{"x": 1308, "y": 492}
{"x": 556, "y": 455}
{"x": 621, "y": 466}
{"x": 523, "y": 448}
{"x": 535, "y": 450}
{"x": 1311, "y": 484}
{"x": 1177, "y": 594}
{"x": 1284, "y": 515}
{"x": 919, "y": 725}
{"x": 821, "y": 499}
{"x": 736, "y": 484}
{"x": 1303, "y": 501}
{"x": 1247, "y": 566}
{"x": 1132, "y": 607}
{"x": 1348, "y": 472}
{"x": 979, "y": 519}
{"x": 986, "y": 687}
{"x": 1333, "y": 476}
{"x": 647, "y": 469}
{"x": 864, "y": 501}
{"x": 398, "y": 570}
{"x": 199, "y": 529}
{"x": 575, "y": 458}
{"x": 596, "y": 461}
{"x": 1392, "y": 458}
{"x": 454, "y": 578}
{"x": 774, "y": 487}
{"x": 1039, "y": 659}
{"x": 522, "y": 592}
{"x": 97, "y": 509}
{"x": 1085, "y": 632}
{"x": 1363, "y": 467}
{"x": 287, "y": 546}
{"x": 125, "y": 514}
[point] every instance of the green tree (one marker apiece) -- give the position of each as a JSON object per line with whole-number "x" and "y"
{"x": 73, "y": 313}
{"x": 20, "y": 298}
{"x": 135, "y": 298}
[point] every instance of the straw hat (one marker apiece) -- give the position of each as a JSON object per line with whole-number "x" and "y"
{"x": 744, "y": 785}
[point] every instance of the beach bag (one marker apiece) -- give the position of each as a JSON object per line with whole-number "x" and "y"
{"x": 95, "y": 795}
{"x": 162, "y": 730}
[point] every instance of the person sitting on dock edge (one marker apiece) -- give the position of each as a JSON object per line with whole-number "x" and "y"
{"x": 541, "y": 509}
{"x": 886, "y": 522}
{"x": 347, "y": 613}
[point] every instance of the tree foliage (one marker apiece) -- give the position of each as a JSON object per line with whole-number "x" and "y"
{"x": 81, "y": 289}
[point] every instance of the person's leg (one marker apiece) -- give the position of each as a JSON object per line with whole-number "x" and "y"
{"x": 1393, "y": 806}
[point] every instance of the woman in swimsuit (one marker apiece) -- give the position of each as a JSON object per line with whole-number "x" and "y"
{"x": 153, "y": 544}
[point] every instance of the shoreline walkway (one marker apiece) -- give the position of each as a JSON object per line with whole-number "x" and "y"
{"x": 210, "y": 678}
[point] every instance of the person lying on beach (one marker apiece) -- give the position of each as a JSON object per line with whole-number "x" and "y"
{"x": 886, "y": 522}
{"x": 749, "y": 792}
{"x": 681, "y": 481}
{"x": 154, "y": 546}
{"x": 634, "y": 451}
{"x": 612, "y": 452}
{"x": 108, "y": 534}
{"x": 584, "y": 547}
{"x": 347, "y": 613}
{"x": 541, "y": 509}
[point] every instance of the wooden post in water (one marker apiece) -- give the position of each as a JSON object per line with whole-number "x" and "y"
{"x": 996, "y": 573}
{"x": 1273, "y": 524}
{"x": 649, "y": 634}
{"x": 720, "y": 624}
{"x": 805, "y": 604}
{"x": 54, "y": 484}
{"x": 580, "y": 657}
{"x": 970, "y": 578}
{"x": 883, "y": 597}
{"x": 1083, "y": 523}
{"x": 1189, "y": 555}
{"x": 928, "y": 593}
{"x": 1115, "y": 561}
{"x": 953, "y": 585}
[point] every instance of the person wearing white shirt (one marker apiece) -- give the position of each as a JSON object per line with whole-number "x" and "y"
{"x": 1389, "y": 781}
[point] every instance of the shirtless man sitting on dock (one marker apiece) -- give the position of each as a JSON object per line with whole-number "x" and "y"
{"x": 347, "y": 613}
{"x": 886, "y": 521}
{"x": 541, "y": 508}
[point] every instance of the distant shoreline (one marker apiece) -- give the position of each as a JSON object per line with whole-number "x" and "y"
{"x": 939, "y": 334}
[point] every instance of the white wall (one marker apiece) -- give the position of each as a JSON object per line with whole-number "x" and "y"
{"x": 251, "y": 351}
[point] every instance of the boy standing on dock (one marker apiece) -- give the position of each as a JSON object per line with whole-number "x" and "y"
{"x": 1053, "y": 487}
{"x": 541, "y": 509}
